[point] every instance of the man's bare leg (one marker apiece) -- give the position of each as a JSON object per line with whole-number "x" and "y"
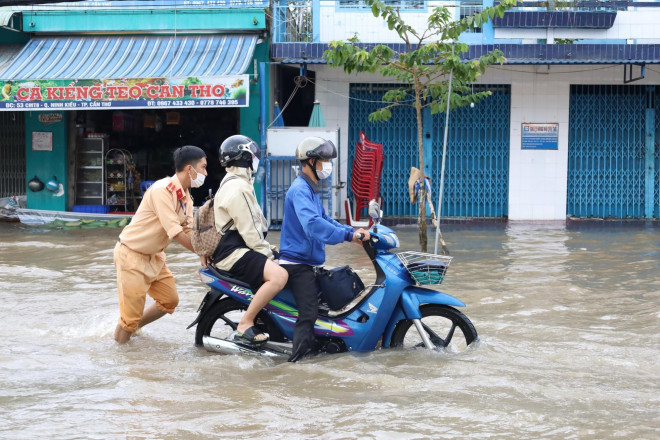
{"x": 122, "y": 336}
{"x": 150, "y": 314}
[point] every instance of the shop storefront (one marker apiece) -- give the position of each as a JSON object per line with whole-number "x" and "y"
{"x": 103, "y": 113}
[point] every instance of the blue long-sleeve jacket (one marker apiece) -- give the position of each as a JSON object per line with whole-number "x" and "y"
{"x": 306, "y": 228}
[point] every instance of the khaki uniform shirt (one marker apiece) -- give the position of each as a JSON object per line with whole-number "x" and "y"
{"x": 165, "y": 211}
{"x": 235, "y": 200}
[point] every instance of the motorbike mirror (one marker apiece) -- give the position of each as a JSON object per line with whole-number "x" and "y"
{"x": 374, "y": 211}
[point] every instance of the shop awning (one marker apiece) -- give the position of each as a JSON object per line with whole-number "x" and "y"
{"x": 7, "y": 53}
{"x": 144, "y": 56}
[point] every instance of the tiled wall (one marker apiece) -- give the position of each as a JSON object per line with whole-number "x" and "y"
{"x": 537, "y": 178}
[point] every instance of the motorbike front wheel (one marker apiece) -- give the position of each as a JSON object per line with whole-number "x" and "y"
{"x": 447, "y": 328}
{"x": 223, "y": 318}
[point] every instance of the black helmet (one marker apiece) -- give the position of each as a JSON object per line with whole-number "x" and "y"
{"x": 315, "y": 148}
{"x": 238, "y": 147}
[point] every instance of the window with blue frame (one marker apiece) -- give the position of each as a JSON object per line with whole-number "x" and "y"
{"x": 293, "y": 22}
{"x": 471, "y": 7}
{"x": 401, "y": 4}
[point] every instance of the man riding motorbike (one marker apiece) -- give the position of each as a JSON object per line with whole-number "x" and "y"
{"x": 306, "y": 229}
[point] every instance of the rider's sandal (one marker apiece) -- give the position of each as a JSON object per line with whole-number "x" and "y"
{"x": 250, "y": 336}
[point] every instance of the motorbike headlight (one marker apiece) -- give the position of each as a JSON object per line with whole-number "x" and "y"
{"x": 391, "y": 239}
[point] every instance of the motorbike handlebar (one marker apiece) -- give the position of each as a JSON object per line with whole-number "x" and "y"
{"x": 359, "y": 236}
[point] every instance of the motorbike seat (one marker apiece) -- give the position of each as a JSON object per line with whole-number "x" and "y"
{"x": 359, "y": 299}
{"x": 348, "y": 308}
{"x": 226, "y": 276}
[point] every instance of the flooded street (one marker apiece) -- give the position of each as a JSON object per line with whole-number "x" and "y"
{"x": 568, "y": 319}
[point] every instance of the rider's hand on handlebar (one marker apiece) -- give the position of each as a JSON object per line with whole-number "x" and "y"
{"x": 361, "y": 235}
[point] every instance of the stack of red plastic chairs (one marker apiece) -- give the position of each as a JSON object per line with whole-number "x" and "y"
{"x": 365, "y": 177}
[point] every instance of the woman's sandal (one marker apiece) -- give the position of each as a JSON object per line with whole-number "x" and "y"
{"x": 250, "y": 336}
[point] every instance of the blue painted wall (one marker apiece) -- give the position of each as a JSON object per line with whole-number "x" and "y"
{"x": 250, "y": 117}
{"x": 134, "y": 20}
{"x": 46, "y": 164}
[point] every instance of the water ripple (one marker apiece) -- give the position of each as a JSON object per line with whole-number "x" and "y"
{"x": 567, "y": 317}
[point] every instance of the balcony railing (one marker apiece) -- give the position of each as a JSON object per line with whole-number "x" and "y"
{"x": 403, "y": 5}
{"x": 573, "y": 5}
{"x": 299, "y": 21}
{"x": 293, "y": 22}
{"x": 312, "y": 21}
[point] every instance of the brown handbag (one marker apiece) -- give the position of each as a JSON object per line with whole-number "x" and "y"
{"x": 204, "y": 237}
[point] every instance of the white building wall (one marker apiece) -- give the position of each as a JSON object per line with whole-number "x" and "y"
{"x": 539, "y": 94}
{"x": 537, "y": 178}
{"x": 340, "y": 24}
{"x": 332, "y": 90}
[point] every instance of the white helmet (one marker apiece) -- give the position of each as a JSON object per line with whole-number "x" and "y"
{"x": 315, "y": 148}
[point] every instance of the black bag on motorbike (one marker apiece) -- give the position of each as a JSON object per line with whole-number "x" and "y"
{"x": 339, "y": 286}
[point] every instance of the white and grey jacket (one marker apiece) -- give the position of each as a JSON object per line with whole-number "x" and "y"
{"x": 236, "y": 200}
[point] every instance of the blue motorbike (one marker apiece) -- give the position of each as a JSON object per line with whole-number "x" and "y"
{"x": 394, "y": 311}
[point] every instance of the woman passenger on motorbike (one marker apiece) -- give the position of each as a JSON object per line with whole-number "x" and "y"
{"x": 243, "y": 250}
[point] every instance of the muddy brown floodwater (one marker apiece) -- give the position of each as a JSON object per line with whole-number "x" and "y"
{"x": 568, "y": 319}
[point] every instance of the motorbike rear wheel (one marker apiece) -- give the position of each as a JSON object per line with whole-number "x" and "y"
{"x": 223, "y": 318}
{"x": 447, "y": 328}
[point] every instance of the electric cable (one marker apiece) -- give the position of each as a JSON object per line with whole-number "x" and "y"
{"x": 301, "y": 83}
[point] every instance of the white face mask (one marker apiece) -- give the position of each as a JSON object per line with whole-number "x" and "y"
{"x": 255, "y": 164}
{"x": 198, "y": 181}
{"x": 326, "y": 171}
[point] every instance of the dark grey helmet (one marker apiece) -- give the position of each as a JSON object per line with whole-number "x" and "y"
{"x": 237, "y": 147}
{"x": 315, "y": 148}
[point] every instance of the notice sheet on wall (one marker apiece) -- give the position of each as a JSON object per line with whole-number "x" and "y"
{"x": 42, "y": 141}
{"x": 540, "y": 136}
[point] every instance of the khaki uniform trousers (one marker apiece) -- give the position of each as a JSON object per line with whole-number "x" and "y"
{"x": 137, "y": 275}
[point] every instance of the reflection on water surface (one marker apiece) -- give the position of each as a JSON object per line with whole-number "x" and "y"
{"x": 568, "y": 320}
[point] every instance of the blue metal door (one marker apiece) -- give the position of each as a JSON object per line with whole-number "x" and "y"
{"x": 607, "y": 142}
{"x": 477, "y": 165}
{"x": 399, "y": 139}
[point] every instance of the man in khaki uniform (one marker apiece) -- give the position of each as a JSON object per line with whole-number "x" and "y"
{"x": 165, "y": 213}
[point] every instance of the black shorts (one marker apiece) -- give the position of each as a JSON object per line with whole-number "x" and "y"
{"x": 250, "y": 269}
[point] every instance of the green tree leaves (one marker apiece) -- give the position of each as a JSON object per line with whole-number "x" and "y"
{"x": 431, "y": 55}
{"x": 429, "y": 59}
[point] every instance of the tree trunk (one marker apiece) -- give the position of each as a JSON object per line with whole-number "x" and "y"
{"x": 422, "y": 220}
{"x": 421, "y": 195}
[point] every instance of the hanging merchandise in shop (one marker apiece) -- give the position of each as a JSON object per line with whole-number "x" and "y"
{"x": 134, "y": 93}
